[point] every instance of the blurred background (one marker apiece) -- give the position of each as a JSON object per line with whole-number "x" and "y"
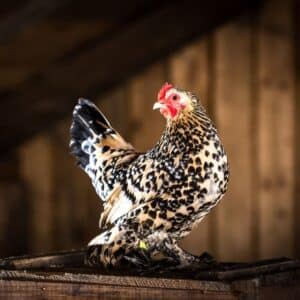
{"x": 241, "y": 57}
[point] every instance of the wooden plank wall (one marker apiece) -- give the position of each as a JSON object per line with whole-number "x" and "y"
{"x": 276, "y": 129}
{"x": 244, "y": 74}
{"x": 232, "y": 100}
{"x": 296, "y": 8}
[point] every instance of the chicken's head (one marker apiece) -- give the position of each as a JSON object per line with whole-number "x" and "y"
{"x": 173, "y": 102}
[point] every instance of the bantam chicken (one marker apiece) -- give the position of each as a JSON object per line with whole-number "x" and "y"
{"x": 151, "y": 200}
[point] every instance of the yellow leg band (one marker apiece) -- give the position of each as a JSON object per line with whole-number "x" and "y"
{"x": 143, "y": 245}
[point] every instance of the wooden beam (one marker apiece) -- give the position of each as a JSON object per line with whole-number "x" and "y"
{"x": 13, "y": 207}
{"x": 96, "y": 66}
{"x": 61, "y": 33}
{"x": 40, "y": 186}
{"x": 29, "y": 14}
{"x": 296, "y": 18}
{"x": 233, "y": 102}
{"x": 275, "y": 136}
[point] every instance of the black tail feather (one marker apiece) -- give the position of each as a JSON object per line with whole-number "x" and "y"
{"x": 88, "y": 122}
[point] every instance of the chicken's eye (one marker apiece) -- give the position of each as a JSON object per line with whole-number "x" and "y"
{"x": 174, "y": 97}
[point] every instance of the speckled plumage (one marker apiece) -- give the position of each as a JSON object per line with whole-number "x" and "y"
{"x": 155, "y": 197}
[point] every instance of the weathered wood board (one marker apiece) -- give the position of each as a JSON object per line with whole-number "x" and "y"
{"x": 275, "y": 117}
{"x": 233, "y": 115}
{"x": 52, "y": 276}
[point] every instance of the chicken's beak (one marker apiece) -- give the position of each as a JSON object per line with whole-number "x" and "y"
{"x": 158, "y": 105}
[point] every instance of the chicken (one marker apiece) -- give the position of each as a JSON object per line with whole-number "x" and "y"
{"x": 151, "y": 200}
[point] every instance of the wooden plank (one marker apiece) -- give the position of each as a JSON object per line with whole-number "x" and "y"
{"x": 9, "y": 167}
{"x": 146, "y": 125}
{"x": 32, "y": 12}
{"x": 276, "y": 130}
{"x": 13, "y": 208}
{"x": 70, "y": 192}
{"x": 51, "y": 92}
{"x": 86, "y": 24}
{"x": 16, "y": 289}
{"x": 13, "y": 219}
{"x": 233, "y": 116}
{"x": 74, "y": 262}
{"x": 49, "y": 290}
{"x": 105, "y": 10}
{"x": 229, "y": 281}
{"x": 60, "y": 260}
{"x": 296, "y": 19}
{"x": 20, "y": 66}
{"x": 111, "y": 287}
{"x": 280, "y": 293}
{"x": 36, "y": 171}
{"x": 189, "y": 70}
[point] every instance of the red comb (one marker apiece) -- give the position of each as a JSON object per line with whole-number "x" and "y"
{"x": 162, "y": 93}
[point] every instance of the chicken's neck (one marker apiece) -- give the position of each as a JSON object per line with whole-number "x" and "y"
{"x": 186, "y": 133}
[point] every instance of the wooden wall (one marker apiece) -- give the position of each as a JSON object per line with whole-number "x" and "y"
{"x": 245, "y": 75}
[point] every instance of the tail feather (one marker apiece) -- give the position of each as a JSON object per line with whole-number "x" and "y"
{"x": 88, "y": 123}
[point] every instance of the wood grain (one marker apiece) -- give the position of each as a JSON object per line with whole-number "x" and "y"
{"x": 147, "y": 125}
{"x": 188, "y": 69}
{"x": 276, "y": 130}
{"x": 59, "y": 35}
{"x": 18, "y": 289}
{"x": 36, "y": 168}
{"x": 277, "y": 279}
{"x": 13, "y": 207}
{"x": 32, "y": 12}
{"x": 233, "y": 116}
{"x": 296, "y": 19}
{"x": 19, "y": 67}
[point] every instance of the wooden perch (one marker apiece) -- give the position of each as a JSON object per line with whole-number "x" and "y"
{"x": 56, "y": 260}
{"x": 65, "y": 274}
{"x": 223, "y": 271}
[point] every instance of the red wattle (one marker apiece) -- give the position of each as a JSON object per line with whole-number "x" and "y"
{"x": 172, "y": 110}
